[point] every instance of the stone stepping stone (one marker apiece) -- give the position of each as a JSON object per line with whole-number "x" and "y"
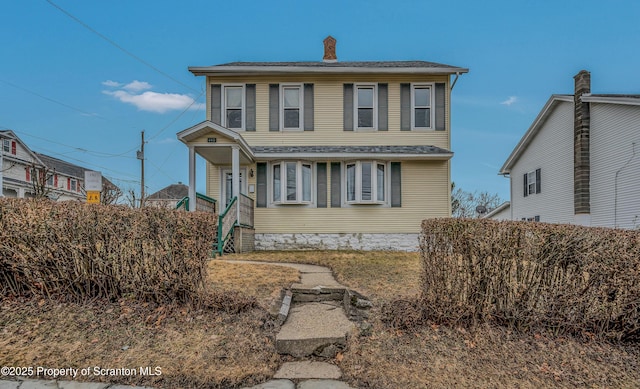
{"x": 308, "y": 369}
{"x": 314, "y": 329}
{"x": 323, "y": 384}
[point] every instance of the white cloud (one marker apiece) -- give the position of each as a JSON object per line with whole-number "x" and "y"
{"x": 132, "y": 93}
{"x": 509, "y": 101}
{"x": 156, "y": 102}
{"x": 137, "y": 86}
{"x": 167, "y": 141}
{"x": 112, "y": 84}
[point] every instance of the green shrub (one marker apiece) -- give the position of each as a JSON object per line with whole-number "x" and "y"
{"x": 562, "y": 278}
{"x": 82, "y": 251}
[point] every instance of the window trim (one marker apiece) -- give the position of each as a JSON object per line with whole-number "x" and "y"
{"x": 243, "y": 106}
{"x": 374, "y": 108}
{"x": 6, "y": 146}
{"x": 431, "y": 106}
{"x": 299, "y": 183}
{"x": 282, "y": 108}
{"x": 374, "y": 183}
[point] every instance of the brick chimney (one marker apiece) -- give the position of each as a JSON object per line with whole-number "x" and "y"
{"x": 329, "y": 50}
{"x": 581, "y": 158}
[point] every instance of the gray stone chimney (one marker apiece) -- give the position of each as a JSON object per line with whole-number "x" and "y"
{"x": 581, "y": 158}
{"x": 329, "y": 50}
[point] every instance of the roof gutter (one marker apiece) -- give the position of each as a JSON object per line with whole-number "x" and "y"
{"x": 251, "y": 70}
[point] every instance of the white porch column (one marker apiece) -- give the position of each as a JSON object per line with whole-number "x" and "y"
{"x": 235, "y": 175}
{"x": 192, "y": 179}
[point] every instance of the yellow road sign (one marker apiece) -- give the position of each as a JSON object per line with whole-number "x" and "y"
{"x": 93, "y": 197}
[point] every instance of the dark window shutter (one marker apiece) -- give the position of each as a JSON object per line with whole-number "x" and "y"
{"x": 441, "y": 112}
{"x": 336, "y": 188}
{"x": 348, "y": 107}
{"x": 405, "y": 107}
{"x": 250, "y": 100}
{"x": 13, "y": 148}
{"x": 538, "y": 181}
{"x": 308, "y": 107}
{"x": 68, "y": 183}
{"x": 396, "y": 184}
{"x": 216, "y": 103}
{"x": 261, "y": 187}
{"x": 28, "y": 175}
{"x": 526, "y": 187}
{"x": 321, "y": 185}
{"x": 383, "y": 107}
{"x": 274, "y": 107}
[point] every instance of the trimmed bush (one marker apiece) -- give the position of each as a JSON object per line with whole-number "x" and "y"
{"x": 82, "y": 251}
{"x": 562, "y": 278}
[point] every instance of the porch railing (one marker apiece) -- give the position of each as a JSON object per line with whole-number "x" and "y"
{"x": 228, "y": 220}
{"x": 203, "y": 203}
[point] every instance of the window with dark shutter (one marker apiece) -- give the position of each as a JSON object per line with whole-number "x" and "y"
{"x": 216, "y": 103}
{"x": 396, "y": 184}
{"x": 526, "y": 185}
{"x": 274, "y": 107}
{"x": 441, "y": 113}
{"x": 348, "y": 107}
{"x": 336, "y": 188}
{"x": 405, "y": 107}
{"x": 250, "y": 99}
{"x": 13, "y": 147}
{"x": 308, "y": 107}
{"x": 383, "y": 107}
{"x": 261, "y": 187}
{"x": 538, "y": 181}
{"x": 321, "y": 185}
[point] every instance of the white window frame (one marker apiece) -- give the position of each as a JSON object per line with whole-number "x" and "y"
{"x": 375, "y": 194}
{"x": 431, "y": 107}
{"x": 356, "y": 105}
{"x": 300, "y": 88}
{"x": 530, "y": 182}
{"x": 6, "y": 146}
{"x": 73, "y": 185}
{"x": 243, "y": 106}
{"x": 299, "y": 183}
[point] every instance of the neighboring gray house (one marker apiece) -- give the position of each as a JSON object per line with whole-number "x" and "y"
{"x": 579, "y": 162}
{"x": 501, "y": 212}
{"x": 168, "y": 197}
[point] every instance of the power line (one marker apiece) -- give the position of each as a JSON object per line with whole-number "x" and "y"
{"x": 81, "y": 149}
{"x": 177, "y": 117}
{"x": 111, "y": 42}
{"x": 50, "y": 99}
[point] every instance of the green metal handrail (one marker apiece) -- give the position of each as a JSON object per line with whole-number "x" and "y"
{"x": 222, "y": 239}
{"x": 185, "y": 201}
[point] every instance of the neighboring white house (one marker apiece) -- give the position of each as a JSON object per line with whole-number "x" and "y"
{"x": 24, "y": 170}
{"x": 579, "y": 162}
{"x": 501, "y": 212}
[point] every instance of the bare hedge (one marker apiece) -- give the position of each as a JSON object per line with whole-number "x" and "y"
{"x": 82, "y": 251}
{"x": 561, "y": 278}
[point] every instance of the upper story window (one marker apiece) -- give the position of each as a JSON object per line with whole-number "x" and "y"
{"x": 365, "y": 106}
{"x": 532, "y": 182}
{"x": 6, "y": 145}
{"x": 233, "y": 107}
{"x": 366, "y": 182}
{"x": 292, "y": 104}
{"x": 291, "y": 182}
{"x": 421, "y": 107}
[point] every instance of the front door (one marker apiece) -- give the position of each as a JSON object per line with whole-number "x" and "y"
{"x": 227, "y": 186}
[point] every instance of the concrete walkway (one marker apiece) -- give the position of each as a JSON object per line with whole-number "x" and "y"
{"x": 315, "y": 325}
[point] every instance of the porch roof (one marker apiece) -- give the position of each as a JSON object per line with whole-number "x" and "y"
{"x": 342, "y": 152}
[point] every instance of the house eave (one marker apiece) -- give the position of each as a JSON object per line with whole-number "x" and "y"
{"x": 353, "y": 156}
{"x": 253, "y": 70}
{"x": 624, "y": 100}
{"x": 535, "y": 127}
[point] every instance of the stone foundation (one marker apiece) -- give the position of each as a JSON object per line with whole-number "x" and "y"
{"x": 357, "y": 241}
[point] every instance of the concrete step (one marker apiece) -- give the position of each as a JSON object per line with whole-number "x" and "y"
{"x": 316, "y": 328}
{"x": 308, "y": 293}
{"x": 307, "y": 370}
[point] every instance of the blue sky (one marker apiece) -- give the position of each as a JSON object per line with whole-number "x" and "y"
{"x": 69, "y": 93}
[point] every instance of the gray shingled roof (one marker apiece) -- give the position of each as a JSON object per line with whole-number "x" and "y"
{"x": 62, "y": 167}
{"x": 347, "y": 64}
{"x": 414, "y": 150}
{"x": 171, "y": 192}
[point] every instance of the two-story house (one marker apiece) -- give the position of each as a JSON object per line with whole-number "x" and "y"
{"x": 26, "y": 173}
{"x": 332, "y": 154}
{"x": 579, "y": 162}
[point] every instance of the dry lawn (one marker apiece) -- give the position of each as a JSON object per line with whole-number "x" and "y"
{"x": 204, "y": 348}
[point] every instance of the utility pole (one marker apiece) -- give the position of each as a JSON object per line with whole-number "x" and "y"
{"x": 141, "y": 158}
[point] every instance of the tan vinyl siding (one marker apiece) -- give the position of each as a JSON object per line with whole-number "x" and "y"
{"x": 328, "y": 112}
{"x": 424, "y": 195}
